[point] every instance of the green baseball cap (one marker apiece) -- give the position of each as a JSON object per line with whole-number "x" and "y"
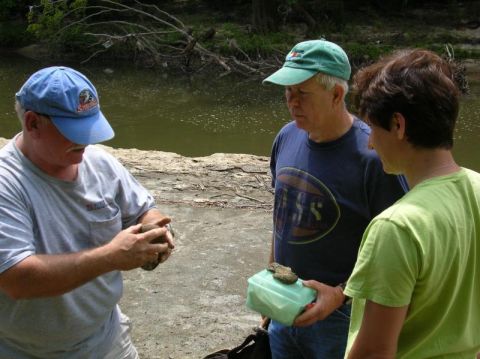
{"x": 308, "y": 58}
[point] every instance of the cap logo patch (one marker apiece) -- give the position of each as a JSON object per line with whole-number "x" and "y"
{"x": 86, "y": 101}
{"x": 294, "y": 54}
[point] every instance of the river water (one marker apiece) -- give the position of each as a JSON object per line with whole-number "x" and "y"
{"x": 151, "y": 110}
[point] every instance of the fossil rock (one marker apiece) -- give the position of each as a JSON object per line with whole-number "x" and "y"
{"x": 282, "y": 273}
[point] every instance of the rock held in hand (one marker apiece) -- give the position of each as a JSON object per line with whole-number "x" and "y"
{"x": 161, "y": 239}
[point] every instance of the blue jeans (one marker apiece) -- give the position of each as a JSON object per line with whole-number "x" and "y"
{"x": 326, "y": 339}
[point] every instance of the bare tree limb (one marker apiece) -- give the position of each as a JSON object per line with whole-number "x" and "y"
{"x": 148, "y": 31}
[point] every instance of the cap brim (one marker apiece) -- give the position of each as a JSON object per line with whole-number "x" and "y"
{"x": 289, "y": 76}
{"x": 86, "y": 130}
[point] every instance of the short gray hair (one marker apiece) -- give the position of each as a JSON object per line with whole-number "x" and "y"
{"x": 21, "y": 114}
{"x": 328, "y": 82}
{"x": 20, "y": 111}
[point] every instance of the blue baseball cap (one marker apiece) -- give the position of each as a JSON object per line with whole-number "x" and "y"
{"x": 70, "y": 100}
{"x": 308, "y": 58}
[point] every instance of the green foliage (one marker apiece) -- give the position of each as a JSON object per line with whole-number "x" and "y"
{"x": 6, "y": 7}
{"x": 461, "y": 53}
{"x": 13, "y": 34}
{"x": 365, "y": 28}
{"x": 251, "y": 43}
{"x": 360, "y": 53}
{"x": 13, "y": 30}
{"x": 48, "y": 20}
{"x": 330, "y": 13}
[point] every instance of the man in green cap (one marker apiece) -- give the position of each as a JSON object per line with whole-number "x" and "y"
{"x": 328, "y": 186}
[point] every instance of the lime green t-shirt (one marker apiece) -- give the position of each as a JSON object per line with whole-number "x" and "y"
{"x": 424, "y": 251}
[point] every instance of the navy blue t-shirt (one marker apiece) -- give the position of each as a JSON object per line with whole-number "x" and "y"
{"x": 325, "y": 196}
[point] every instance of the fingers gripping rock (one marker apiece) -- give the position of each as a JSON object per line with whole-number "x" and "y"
{"x": 161, "y": 239}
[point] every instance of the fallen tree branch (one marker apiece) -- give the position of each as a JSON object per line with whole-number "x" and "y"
{"x": 147, "y": 31}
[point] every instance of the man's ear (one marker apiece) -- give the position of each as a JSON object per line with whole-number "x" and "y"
{"x": 338, "y": 92}
{"x": 398, "y": 125}
{"x": 32, "y": 122}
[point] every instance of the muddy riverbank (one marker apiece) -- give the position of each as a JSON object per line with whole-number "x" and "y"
{"x": 194, "y": 303}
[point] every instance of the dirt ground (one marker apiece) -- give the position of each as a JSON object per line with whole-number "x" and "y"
{"x": 194, "y": 303}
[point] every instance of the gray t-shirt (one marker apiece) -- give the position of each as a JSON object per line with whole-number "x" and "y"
{"x": 40, "y": 214}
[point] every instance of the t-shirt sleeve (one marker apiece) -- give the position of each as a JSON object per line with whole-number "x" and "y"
{"x": 16, "y": 228}
{"x": 387, "y": 266}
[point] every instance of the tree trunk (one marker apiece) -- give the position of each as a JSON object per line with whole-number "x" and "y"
{"x": 265, "y": 15}
{"x": 305, "y": 15}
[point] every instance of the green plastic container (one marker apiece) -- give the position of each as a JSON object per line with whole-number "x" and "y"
{"x": 276, "y": 300}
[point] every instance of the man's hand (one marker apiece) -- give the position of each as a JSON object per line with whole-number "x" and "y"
{"x": 153, "y": 216}
{"x": 328, "y": 299}
{"x": 131, "y": 249}
{"x": 168, "y": 235}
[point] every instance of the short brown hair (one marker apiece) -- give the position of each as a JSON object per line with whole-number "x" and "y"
{"x": 417, "y": 83}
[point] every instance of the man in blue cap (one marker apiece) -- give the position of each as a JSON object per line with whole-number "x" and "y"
{"x": 328, "y": 186}
{"x": 69, "y": 223}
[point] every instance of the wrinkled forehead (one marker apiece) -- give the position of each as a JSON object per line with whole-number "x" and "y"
{"x": 310, "y": 84}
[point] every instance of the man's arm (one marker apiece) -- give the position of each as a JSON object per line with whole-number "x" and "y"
{"x": 51, "y": 275}
{"x": 379, "y": 332}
